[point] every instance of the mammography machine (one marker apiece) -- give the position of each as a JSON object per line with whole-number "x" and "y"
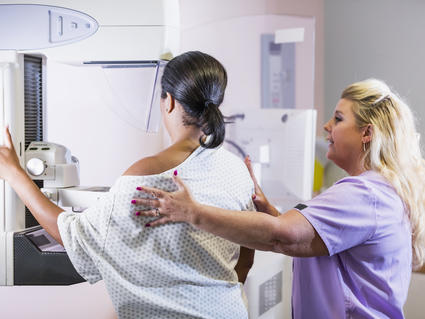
{"x": 96, "y": 38}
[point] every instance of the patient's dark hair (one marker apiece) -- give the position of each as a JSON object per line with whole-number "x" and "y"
{"x": 198, "y": 81}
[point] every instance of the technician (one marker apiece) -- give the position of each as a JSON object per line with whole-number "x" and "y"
{"x": 355, "y": 244}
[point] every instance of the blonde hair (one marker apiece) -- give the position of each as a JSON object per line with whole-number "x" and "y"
{"x": 394, "y": 150}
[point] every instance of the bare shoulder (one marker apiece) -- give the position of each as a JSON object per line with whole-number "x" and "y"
{"x": 156, "y": 164}
{"x": 146, "y": 166}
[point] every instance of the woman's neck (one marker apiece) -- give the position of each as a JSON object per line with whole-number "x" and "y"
{"x": 186, "y": 136}
{"x": 185, "y": 145}
{"x": 356, "y": 169}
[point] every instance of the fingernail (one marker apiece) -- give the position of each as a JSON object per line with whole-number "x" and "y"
{"x": 175, "y": 173}
{"x": 137, "y": 214}
{"x": 254, "y": 196}
{"x": 148, "y": 225}
{"x": 133, "y": 201}
{"x": 139, "y": 188}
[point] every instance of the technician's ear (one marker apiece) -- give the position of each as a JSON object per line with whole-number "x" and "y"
{"x": 169, "y": 103}
{"x": 367, "y": 133}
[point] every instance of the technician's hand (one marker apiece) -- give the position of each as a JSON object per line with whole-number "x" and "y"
{"x": 259, "y": 199}
{"x": 178, "y": 206}
{"x": 9, "y": 162}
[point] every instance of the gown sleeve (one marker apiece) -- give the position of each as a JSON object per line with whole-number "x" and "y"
{"x": 84, "y": 234}
{"x": 344, "y": 216}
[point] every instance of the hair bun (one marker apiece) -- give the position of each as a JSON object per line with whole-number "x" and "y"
{"x": 208, "y": 103}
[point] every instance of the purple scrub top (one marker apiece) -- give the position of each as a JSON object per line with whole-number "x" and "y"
{"x": 364, "y": 225}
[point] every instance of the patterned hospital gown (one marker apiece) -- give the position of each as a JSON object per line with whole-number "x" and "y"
{"x": 172, "y": 271}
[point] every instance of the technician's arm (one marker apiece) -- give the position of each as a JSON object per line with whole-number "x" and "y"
{"x": 289, "y": 233}
{"x": 42, "y": 208}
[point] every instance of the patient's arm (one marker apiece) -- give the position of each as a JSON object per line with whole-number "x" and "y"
{"x": 245, "y": 262}
{"x": 260, "y": 200}
{"x": 42, "y": 208}
{"x": 44, "y": 211}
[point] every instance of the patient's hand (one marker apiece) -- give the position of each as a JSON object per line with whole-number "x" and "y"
{"x": 9, "y": 162}
{"x": 259, "y": 199}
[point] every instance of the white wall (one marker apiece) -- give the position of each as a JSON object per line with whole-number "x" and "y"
{"x": 381, "y": 39}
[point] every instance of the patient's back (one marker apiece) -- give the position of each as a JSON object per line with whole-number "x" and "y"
{"x": 175, "y": 270}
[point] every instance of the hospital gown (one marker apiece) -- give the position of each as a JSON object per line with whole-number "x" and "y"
{"x": 171, "y": 271}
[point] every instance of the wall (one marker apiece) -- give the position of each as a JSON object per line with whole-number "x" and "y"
{"x": 381, "y": 39}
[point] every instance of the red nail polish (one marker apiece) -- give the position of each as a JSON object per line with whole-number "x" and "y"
{"x": 175, "y": 173}
{"x": 139, "y": 188}
{"x": 148, "y": 225}
{"x": 133, "y": 201}
{"x": 254, "y": 196}
{"x": 137, "y": 214}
